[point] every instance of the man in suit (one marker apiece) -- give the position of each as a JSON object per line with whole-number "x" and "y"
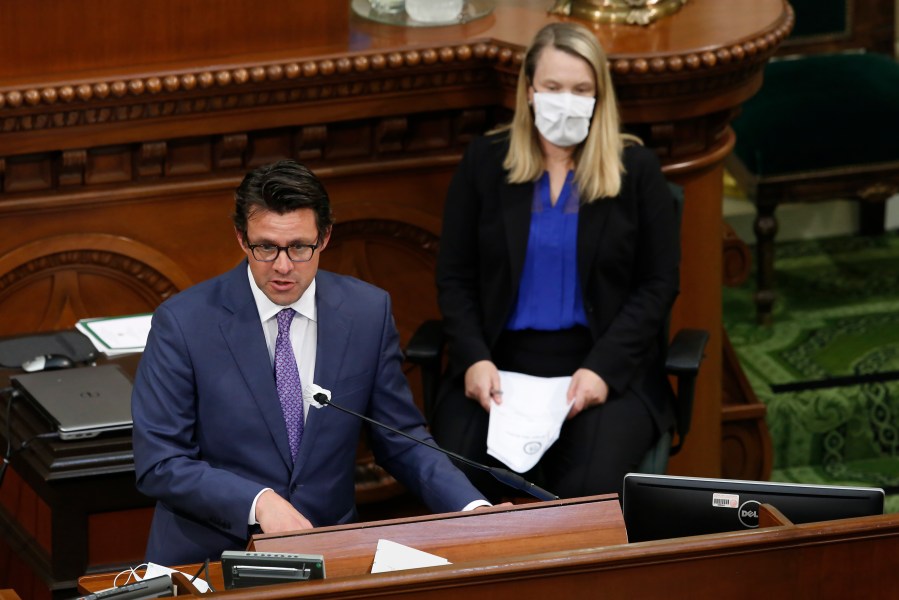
{"x": 225, "y": 437}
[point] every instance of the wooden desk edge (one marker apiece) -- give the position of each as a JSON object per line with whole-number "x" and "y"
{"x": 596, "y": 558}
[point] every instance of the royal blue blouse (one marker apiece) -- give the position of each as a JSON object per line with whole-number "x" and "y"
{"x": 549, "y": 293}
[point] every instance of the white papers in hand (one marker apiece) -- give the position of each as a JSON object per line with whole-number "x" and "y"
{"x": 391, "y": 556}
{"x": 528, "y": 420}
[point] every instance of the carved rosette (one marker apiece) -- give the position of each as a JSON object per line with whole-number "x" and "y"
{"x": 65, "y": 278}
{"x": 392, "y": 255}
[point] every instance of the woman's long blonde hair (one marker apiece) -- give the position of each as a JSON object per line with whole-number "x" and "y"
{"x": 598, "y": 158}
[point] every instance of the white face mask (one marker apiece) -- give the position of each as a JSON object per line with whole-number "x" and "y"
{"x": 563, "y": 118}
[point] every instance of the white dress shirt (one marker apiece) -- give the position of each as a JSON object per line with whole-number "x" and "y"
{"x": 303, "y": 338}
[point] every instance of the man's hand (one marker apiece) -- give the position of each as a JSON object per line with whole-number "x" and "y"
{"x": 275, "y": 514}
{"x": 586, "y": 389}
{"x": 482, "y": 383}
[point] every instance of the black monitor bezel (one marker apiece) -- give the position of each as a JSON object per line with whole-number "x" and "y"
{"x": 785, "y": 496}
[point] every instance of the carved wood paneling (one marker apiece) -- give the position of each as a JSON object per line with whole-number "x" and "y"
{"x": 50, "y": 284}
{"x": 191, "y": 156}
{"x": 111, "y": 164}
{"x": 75, "y": 103}
{"x": 310, "y": 142}
{"x": 25, "y": 537}
{"x": 389, "y": 134}
{"x": 642, "y": 82}
{"x": 71, "y": 171}
{"x": 349, "y": 141}
{"x": 230, "y": 150}
{"x": 357, "y": 141}
{"x": 152, "y": 153}
{"x": 393, "y": 255}
{"x": 28, "y": 173}
{"x": 369, "y": 111}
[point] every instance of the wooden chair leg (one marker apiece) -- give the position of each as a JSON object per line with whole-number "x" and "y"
{"x": 765, "y": 231}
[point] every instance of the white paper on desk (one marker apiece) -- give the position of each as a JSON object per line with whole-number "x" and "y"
{"x": 391, "y": 556}
{"x": 117, "y": 335}
{"x": 154, "y": 570}
{"x": 528, "y": 420}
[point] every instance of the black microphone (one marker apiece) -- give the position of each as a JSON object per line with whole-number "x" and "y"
{"x": 511, "y": 479}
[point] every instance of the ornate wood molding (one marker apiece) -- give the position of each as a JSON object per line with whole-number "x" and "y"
{"x": 146, "y": 129}
{"x": 367, "y": 141}
{"x": 60, "y": 105}
{"x": 80, "y": 103}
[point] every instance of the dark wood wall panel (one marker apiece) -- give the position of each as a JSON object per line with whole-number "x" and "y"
{"x": 28, "y": 174}
{"x": 189, "y": 157}
{"x": 107, "y": 546}
{"x": 108, "y": 165}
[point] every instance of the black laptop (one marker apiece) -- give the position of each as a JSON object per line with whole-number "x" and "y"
{"x": 81, "y": 402}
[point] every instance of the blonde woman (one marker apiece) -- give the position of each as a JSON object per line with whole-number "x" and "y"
{"x": 559, "y": 257}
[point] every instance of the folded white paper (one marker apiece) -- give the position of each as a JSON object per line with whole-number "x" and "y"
{"x": 528, "y": 420}
{"x": 154, "y": 570}
{"x": 391, "y": 556}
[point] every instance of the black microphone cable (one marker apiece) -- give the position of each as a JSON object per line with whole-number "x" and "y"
{"x": 204, "y": 568}
{"x": 11, "y": 394}
{"x": 513, "y": 480}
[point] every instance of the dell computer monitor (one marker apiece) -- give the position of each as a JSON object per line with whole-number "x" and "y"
{"x": 661, "y": 506}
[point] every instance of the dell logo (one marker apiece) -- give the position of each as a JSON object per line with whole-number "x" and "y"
{"x": 748, "y": 514}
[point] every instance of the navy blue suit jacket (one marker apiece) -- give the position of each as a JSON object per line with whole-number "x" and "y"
{"x": 209, "y": 433}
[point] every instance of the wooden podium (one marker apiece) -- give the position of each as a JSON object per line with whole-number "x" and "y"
{"x": 486, "y": 535}
{"x": 577, "y": 548}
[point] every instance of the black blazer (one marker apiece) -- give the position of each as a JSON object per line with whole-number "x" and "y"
{"x": 627, "y": 257}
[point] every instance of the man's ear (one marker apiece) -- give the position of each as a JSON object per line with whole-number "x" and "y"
{"x": 325, "y": 240}
{"x": 240, "y": 239}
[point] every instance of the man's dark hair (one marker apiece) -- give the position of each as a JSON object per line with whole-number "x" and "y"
{"x": 282, "y": 187}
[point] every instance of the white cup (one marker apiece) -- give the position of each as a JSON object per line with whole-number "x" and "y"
{"x": 434, "y": 11}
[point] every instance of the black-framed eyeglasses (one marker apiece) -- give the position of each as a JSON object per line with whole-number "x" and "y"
{"x": 270, "y": 252}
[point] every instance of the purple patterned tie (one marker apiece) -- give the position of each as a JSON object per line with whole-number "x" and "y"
{"x": 287, "y": 378}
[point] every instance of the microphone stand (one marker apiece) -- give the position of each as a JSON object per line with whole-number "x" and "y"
{"x": 510, "y": 478}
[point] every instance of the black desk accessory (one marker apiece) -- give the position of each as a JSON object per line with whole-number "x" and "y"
{"x": 248, "y": 569}
{"x": 155, "y": 587}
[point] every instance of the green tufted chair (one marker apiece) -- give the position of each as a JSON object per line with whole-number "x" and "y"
{"x": 825, "y": 123}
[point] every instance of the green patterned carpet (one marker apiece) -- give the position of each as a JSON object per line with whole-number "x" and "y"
{"x": 837, "y": 316}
